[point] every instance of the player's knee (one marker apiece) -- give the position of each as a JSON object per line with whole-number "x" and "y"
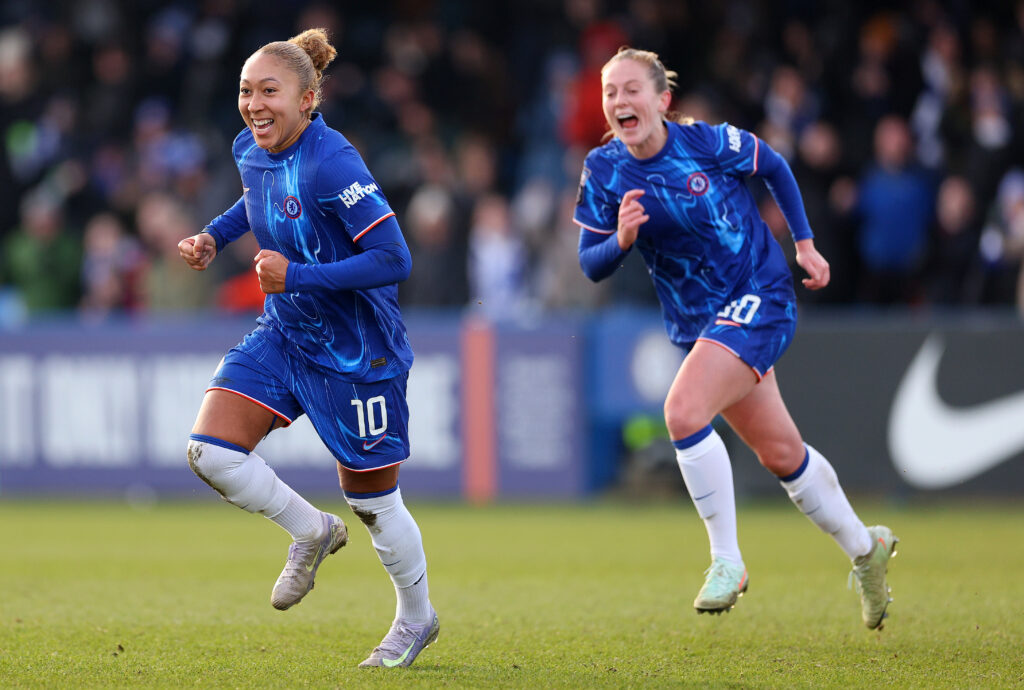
{"x": 682, "y": 419}
{"x": 780, "y": 456}
{"x": 212, "y": 463}
{"x": 194, "y": 454}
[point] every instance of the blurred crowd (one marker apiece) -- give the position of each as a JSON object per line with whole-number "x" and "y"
{"x": 901, "y": 122}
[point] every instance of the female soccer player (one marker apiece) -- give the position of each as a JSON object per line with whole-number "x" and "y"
{"x": 330, "y": 342}
{"x": 676, "y": 191}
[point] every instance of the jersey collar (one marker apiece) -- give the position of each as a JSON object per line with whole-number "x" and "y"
{"x": 672, "y": 128}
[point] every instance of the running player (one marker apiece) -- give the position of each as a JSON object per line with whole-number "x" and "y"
{"x": 676, "y": 191}
{"x": 330, "y": 343}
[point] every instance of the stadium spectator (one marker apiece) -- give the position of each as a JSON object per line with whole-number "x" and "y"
{"x": 440, "y": 277}
{"x": 894, "y": 210}
{"x": 42, "y": 257}
{"x": 583, "y": 123}
{"x": 953, "y": 261}
{"x": 111, "y": 267}
{"x": 826, "y": 186}
{"x": 331, "y": 334}
{"x": 75, "y": 86}
{"x": 166, "y": 284}
{"x": 1002, "y": 245}
{"x": 727, "y": 299}
{"x": 558, "y": 282}
{"x": 497, "y": 260}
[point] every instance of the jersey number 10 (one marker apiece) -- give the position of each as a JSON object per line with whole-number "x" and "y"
{"x": 369, "y": 414}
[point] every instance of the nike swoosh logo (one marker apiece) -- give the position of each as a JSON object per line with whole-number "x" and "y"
{"x": 934, "y": 445}
{"x": 391, "y": 663}
{"x": 369, "y": 446}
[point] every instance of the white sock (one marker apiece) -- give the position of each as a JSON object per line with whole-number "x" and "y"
{"x": 300, "y": 518}
{"x": 707, "y": 472}
{"x": 245, "y": 480}
{"x": 396, "y": 537}
{"x": 816, "y": 492}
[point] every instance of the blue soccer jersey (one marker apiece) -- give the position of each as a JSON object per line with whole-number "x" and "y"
{"x": 705, "y": 244}
{"x": 314, "y": 203}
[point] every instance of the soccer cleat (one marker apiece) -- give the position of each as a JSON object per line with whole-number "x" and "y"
{"x": 403, "y": 643}
{"x": 870, "y": 570}
{"x": 304, "y": 557}
{"x": 725, "y": 583}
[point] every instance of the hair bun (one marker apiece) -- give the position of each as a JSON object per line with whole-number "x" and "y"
{"x": 317, "y": 46}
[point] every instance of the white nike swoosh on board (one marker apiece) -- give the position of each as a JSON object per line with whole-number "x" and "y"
{"x": 934, "y": 445}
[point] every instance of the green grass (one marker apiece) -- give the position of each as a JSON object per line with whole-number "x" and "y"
{"x": 567, "y": 596}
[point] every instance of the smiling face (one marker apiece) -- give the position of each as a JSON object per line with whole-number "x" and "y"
{"x": 271, "y": 102}
{"x": 633, "y": 107}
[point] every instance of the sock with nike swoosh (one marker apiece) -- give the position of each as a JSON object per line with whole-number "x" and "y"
{"x": 706, "y": 469}
{"x": 815, "y": 490}
{"x": 396, "y": 537}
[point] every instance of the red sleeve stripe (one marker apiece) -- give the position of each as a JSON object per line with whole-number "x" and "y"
{"x": 372, "y": 225}
{"x": 757, "y": 148}
{"x": 587, "y": 227}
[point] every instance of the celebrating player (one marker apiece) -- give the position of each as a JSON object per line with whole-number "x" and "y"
{"x": 330, "y": 342}
{"x": 676, "y": 191}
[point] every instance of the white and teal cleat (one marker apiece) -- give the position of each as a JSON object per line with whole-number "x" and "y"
{"x": 296, "y": 580}
{"x": 403, "y": 644}
{"x": 725, "y": 583}
{"x": 870, "y": 570}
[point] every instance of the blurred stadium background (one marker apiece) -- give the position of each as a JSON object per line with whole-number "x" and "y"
{"x": 902, "y": 122}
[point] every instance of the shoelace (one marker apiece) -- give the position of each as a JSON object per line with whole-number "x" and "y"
{"x": 301, "y": 554}
{"x": 396, "y": 641}
{"x": 859, "y": 581}
{"x": 718, "y": 569}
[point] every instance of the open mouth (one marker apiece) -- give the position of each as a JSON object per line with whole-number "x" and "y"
{"x": 628, "y": 121}
{"x": 262, "y": 126}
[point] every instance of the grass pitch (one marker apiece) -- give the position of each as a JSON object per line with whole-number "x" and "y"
{"x": 575, "y": 596}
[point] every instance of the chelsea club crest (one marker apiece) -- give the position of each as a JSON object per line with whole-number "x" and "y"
{"x": 292, "y": 207}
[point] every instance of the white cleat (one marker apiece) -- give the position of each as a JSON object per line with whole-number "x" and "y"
{"x": 304, "y": 557}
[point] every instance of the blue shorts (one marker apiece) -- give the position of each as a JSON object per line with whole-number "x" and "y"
{"x": 757, "y": 328}
{"x": 364, "y": 425}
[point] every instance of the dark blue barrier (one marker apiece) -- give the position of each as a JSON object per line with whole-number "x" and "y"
{"x": 500, "y": 410}
{"x": 87, "y": 408}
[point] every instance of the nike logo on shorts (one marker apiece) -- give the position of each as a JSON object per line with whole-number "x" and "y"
{"x": 369, "y": 445}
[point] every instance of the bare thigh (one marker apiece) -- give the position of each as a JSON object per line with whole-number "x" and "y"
{"x": 763, "y": 422}
{"x": 232, "y": 418}
{"x": 367, "y": 482}
{"x": 710, "y": 380}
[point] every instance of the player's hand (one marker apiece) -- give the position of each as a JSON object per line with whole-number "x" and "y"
{"x": 271, "y": 269}
{"x": 198, "y": 251}
{"x": 631, "y": 217}
{"x": 814, "y": 263}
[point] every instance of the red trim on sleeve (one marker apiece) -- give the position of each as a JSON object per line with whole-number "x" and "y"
{"x": 757, "y": 148}
{"x": 372, "y": 225}
{"x": 587, "y": 227}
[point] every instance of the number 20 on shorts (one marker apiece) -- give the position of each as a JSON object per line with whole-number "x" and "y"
{"x": 740, "y": 310}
